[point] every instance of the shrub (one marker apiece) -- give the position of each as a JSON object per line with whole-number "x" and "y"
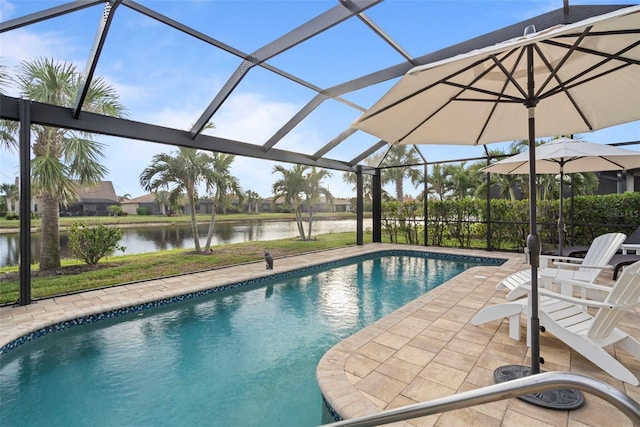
{"x": 115, "y": 210}
{"x": 12, "y": 215}
{"x": 91, "y": 242}
{"x": 142, "y": 211}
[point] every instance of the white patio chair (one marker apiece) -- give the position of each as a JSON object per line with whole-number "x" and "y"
{"x": 563, "y": 316}
{"x": 554, "y": 268}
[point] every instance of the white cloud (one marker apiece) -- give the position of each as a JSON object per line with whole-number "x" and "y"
{"x": 21, "y": 44}
{"x": 249, "y": 117}
{"x": 6, "y": 10}
{"x": 129, "y": 94}
{"x": 172, "y": 118}
{"x": 254, "y": 175}
{"x": 126, "y": 160}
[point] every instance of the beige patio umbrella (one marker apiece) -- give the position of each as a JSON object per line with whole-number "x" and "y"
{"x": 566, "y": 155}
{"x": 561, "y": 80}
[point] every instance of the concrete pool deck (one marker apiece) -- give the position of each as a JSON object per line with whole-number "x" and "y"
{"x": 424, "y": 350}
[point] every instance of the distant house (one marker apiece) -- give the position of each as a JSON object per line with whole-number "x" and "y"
{"x": 342, "y": 205}
{"x": 92, "y": 201}
{"x": 205, "y": 206}
{"x": 339, "y": 205}
{"x": 617, "y": 182}
{"x": 269, "y": 205}
{"x": 148, "y": 201}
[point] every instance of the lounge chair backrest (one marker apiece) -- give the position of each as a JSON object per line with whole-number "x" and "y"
{"x": 623, "y": 296}
{"x": 634, "y": 238}
{"x": 600, "y": 252}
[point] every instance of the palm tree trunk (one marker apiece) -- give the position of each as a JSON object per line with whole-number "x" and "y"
{"x": 194, "y": 222}
{"x": 299, "y": 223}
{"x": 212, "y": 224}
{"x": 399, "y": 190}
{"x": 310, "y": 222}
{"x": 50, "y": 246}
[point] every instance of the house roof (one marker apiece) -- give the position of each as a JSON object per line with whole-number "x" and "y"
{"x": 147, "y": 198}
{"x": 102, "y": 192}
{"x": 341, "y": 201}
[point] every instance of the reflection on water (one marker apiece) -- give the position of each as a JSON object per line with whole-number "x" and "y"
{"x": 157, "y": 238}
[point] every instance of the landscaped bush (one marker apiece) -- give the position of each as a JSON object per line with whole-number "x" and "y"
{"x": 403, "y": 221}
{"x": 92, "y": 242}
{"x": 115, "y": 210}
{"x": 142, "y": 211}
{"x": 12, "y": 215}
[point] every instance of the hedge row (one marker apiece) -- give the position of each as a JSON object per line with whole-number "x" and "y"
{"x": 464, "y": 223}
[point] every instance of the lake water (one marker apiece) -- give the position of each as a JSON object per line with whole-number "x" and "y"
{"x": 157, "y": 238}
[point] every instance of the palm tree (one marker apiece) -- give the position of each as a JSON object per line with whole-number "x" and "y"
{"x": 291, "y": 187}
{"x": 8, "y": 128}
{"x": 180, "y": 172}
{"x": 218, "y": 180}
{"x": 163, "y": 201}
{"x": 367, "y": 184}
{"x": 401, "y": 155}
{"x": 62, "y": 156}
{"x": 253, "y": 200}
{"x": 11, "y": 195}
{"x": 437, "y": 182}
{"x": 463, "y": 180}
{"x": 313, "y": 192}
{"x": 507, "y": 183}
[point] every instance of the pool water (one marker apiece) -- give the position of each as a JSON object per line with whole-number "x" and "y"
{"x": 245, "y": 357}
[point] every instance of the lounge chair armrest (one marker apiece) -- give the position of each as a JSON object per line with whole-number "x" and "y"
{"x": 585, "y": 285}
{"x": 586, "y": 302}
{"x": 568, "y": 264}
{"x": 576, "y": 300}
{"x": 564, "y": 258}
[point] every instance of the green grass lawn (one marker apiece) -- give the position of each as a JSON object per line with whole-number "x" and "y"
{"x": 74, "y": 276}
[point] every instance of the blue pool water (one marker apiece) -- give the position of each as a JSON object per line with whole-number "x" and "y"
{"x": 245, "y": 357}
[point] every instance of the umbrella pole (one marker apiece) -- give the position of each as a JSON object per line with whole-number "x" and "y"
{"x": 553, "y": 399}
{"x": 560, "y": 219}
{"x": 533, "y": 242}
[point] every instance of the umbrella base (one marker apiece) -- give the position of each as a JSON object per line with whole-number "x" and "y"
{"x": 563, "y": 399}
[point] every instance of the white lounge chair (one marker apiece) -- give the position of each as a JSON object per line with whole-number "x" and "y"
{"x": 554, "y": 268}
{"x": 564, "y": 316}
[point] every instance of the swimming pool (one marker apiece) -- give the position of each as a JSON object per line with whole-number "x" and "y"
{"x": 242, "y": 357}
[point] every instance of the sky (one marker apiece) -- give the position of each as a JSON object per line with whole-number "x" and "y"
{"x": 167, "y": 78}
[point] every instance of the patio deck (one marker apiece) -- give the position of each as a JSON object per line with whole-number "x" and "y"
{"x": 424, "y": 350}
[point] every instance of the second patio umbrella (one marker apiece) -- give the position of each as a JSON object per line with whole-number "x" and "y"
{"x": 565, "y": 155}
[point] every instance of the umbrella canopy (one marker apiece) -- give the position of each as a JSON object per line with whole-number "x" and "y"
{"x": 585, "y": 74}
{"x": 565, "y": 155}
{"x": 562, "y": 80}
